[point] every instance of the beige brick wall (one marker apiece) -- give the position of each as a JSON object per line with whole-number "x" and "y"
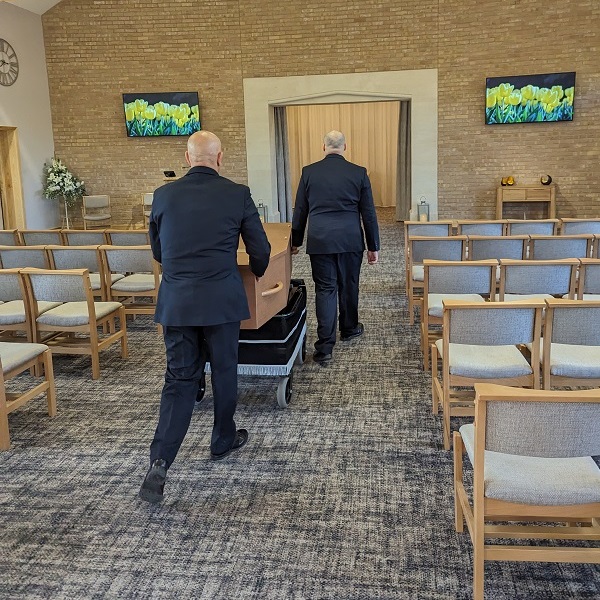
{"x": 98, "y": 49}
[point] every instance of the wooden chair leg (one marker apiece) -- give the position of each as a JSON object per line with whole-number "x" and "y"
{"x": 459, "y": 517}
{"x": 446, "y": 414}
{"x": 94, "y": 353}
{"x": 434, "y": 373}
{"x": 49, "y": 373}
{"x": 123, "y": 323}
{"x": 478, "y": 569}
{"x": 4, "y": 434}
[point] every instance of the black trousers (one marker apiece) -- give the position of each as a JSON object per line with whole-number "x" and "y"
{"x": 336, "y": 278}
{"x": 186, "y": 349}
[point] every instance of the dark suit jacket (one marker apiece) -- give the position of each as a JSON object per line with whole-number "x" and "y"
{"x": 334, "y": 195}
{"x": 195, "y": 226}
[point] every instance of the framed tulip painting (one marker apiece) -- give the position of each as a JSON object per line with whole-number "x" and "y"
{"x": 530, "y": 98}
{"x": 158, "y": 114}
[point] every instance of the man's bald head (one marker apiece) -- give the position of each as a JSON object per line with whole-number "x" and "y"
{"x": 334, "y": 142}
{"x": 204, "y": 150}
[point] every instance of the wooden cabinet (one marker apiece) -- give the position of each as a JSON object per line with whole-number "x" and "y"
{"x": 269, "y": 295}
{"x": 526, "y": 198}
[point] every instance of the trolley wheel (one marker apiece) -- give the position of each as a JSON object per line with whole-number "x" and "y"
{"x": 284, "y": 391}
{"x": 301, "y": 356}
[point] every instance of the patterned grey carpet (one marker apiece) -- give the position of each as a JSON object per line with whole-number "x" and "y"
{"x": 345, "y": 495}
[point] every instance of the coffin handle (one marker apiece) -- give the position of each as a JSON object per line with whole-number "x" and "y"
{"x": 278, "y": 287}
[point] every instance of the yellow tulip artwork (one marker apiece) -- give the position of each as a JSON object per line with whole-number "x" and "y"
{"x": 160, "y": 114}
{"x": 530, "y": 98}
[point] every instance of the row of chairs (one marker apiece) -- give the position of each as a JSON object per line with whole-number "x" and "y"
{"x": 459, "y": 248}
{"x": 502, "y": 227}
{"x": 117, "y": 273}
{"x": 502, "y": 342}
{"x": 504, "y": 280}
{"x": 58, "y": 308}
{"x": 73, "y": 237}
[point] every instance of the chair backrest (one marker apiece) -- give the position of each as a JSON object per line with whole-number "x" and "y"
{"x": 543, "y": 247}
{"x": 9, "y": 237}
{"x": 128, "y": 259}
{"x": 556, "y": 277}
{"x": 482, "y": 227}
{"x": 75, "y": 257}
{"x": 573, "y": 322}
{"x": 20, "y": 257}
{"x": 460, "y": 277}
{"x": 427, "y": 228}
{"x": 120, "y": 237}
{"x": 40, "y": 237}
{"x": 532, "y": 226}
{"x": 83, "y": 237}
{"x": 437, "y": 248}
{"x": 10, "y": 286}
{"x": 580, "y": 226}
{"x": 147, "y": 199}
{"x": 497, "y": 247}
{"x": 589, "y": 276}
{"x": 59, "y": 286}
{"x": 96, "y": 202}
{"x": 492, "y": 323}
{"x": 542, "y": 423}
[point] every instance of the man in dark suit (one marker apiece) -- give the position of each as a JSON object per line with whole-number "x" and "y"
{"x": 195, "y": 226}
{"x": 334, "y": 195}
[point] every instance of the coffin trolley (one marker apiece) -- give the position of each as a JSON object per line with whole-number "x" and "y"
{"x": 275, "y": 348}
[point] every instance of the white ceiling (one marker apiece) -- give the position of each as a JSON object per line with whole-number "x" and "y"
{"x": 35, "y": 6}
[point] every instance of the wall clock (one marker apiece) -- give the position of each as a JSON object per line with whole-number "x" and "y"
{"x": 9, "y": 64}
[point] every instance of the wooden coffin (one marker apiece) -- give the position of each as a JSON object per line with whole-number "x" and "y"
{"x": 269, "y": 295}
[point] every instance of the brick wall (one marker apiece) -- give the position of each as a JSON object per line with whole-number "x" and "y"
{"x": 98, "y": 49}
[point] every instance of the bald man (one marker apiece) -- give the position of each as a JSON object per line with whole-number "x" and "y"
{"x": 334, "y": 196}
{"x": 195, "y": 226}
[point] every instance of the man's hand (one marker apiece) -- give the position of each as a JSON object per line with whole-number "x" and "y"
{"x": 372, "y": 256}
{"x": 295, "y": 250}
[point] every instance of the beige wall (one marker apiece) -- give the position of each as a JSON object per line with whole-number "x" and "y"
{"x": 96, "y": 51}
{"x": 26, "y": 106}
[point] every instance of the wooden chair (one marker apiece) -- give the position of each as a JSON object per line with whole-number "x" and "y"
{"x": 77, "y": 314}
{"x": 579, "y": 226}
{"x": 10, "y": 237}
{"x": 83, "y": 257}
{"x": 83, "y": 237}
{"x": 127, "y": 237}
{"x": 95, "y": 211}
{"x": 20, "y": 257}
{"x": 468, "y": 281}
{"x": 531, "y": 456}
{"x": 532, "y": 226}
{"x": 423, "y": 229}
{"x": 16, "y": 358}
{"x": 141, "y": 280}
{"x": 537, "y": 279}
{"x": 434, "y": 248}
{"x": 571, "y": 345}
{"x": 547, "y": 247}
{"x": 481, "y": 343}
{"x": 495, "y": 228}
{"x": 41, "y": 237}
{"x": 589, "y": 279}
{"x": 147, "y": 199}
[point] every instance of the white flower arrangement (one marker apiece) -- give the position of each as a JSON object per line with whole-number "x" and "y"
{"x": 60, "y": 183}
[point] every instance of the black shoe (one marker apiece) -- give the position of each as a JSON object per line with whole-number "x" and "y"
{"x": 152, "y": 489}
{"x": 241, "y": 437}
{"x": 201, "y": 388}
{"x": 322, "y": 358}
{"x": 345, "y": 337}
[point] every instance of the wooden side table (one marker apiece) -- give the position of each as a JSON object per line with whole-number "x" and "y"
{"x": 526, "y": 194}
